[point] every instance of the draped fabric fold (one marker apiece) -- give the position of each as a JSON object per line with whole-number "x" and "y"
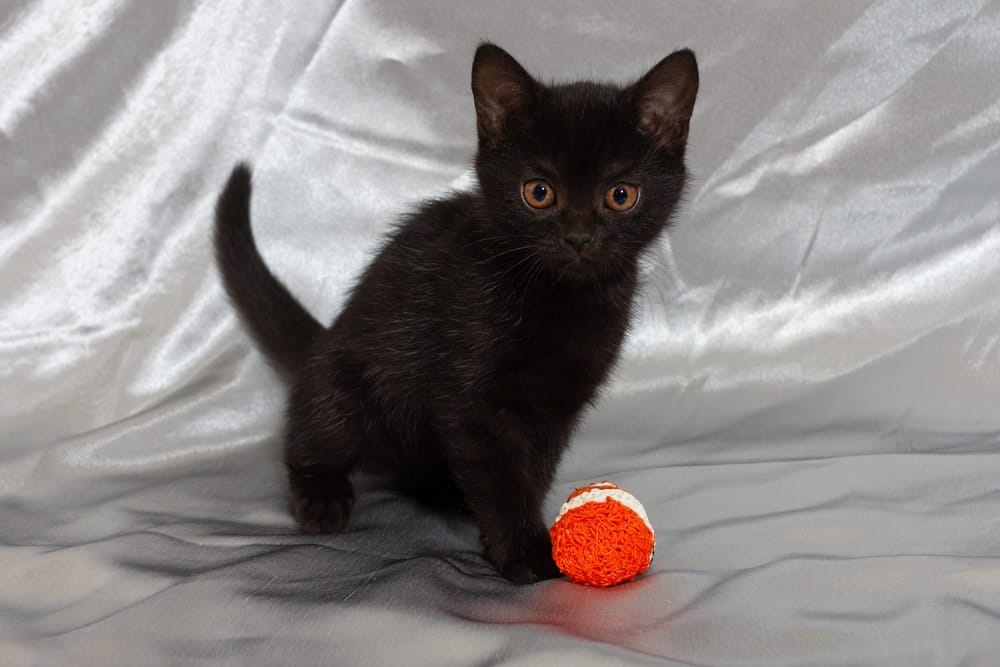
{"x": 807, "y": 406}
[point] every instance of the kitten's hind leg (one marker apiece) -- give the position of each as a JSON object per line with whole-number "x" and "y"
{"x": 322, "y": 498}
{"x": 323, "y": 445}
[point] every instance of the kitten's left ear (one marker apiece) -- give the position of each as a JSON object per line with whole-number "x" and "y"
{"x": 504, "y": 92}
{"x": 664, "y": 99}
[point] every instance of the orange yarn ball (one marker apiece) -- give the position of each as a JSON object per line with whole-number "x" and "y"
{"x": 602, "y": 536}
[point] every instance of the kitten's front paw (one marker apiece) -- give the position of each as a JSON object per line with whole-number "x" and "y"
{"x": 522, "y": 572}
{"x": 519, "y": 572}
{"x": 541, "y": 561}
{"x": 323, "y": 504}
{"x": 535, "y": 565}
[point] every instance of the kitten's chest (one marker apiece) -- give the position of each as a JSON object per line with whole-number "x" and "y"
{"x": 560, "y": 351}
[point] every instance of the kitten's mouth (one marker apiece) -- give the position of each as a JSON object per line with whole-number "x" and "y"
{"x": 585, "y": 256}
{"x": 573, "y": 266}
{"x": 563, "y": 258}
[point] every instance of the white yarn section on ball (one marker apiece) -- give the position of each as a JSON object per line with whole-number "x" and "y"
{"x": 603, "y": 492}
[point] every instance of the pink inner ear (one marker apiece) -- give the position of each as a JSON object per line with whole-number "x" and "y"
{"x": 502, "y": 90}
{"x": 499, "y": 106}
{"x": 665, "y": 130}
{"x": 500, "y": 100}
{"x": 509, "y": 96}
{"x": 666, "y": 97}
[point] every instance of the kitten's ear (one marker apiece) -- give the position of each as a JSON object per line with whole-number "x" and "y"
{"x": 504, "y": 92}
{"x": 664, "y": 99}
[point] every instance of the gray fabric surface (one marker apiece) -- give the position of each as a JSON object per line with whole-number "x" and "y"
{"x": 808, "y": 407}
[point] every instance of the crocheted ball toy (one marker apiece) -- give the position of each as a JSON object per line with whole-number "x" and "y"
{"x": 602, "y": 536}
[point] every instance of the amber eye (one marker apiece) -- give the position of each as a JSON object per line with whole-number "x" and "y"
{"x": 538, "y": 194}
{"x": 621, "y": 197}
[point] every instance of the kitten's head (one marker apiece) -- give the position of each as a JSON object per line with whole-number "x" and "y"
{"x": 585, "y": 175}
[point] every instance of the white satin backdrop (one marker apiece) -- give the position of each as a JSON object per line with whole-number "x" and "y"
{"x": 809, "y": 406}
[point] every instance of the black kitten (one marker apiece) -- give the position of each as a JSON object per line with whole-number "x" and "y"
{"x": 489, "y": 320}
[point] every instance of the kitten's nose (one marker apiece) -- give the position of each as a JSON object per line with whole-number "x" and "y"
{"x": 578, "y": 240}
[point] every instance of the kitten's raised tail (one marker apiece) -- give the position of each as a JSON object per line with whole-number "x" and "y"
{"x": 278, "y": 322}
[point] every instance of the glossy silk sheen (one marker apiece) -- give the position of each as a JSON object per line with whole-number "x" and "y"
{"x": 808, "y": 407}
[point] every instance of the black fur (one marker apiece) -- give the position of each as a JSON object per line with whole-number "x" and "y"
{"x": 470, "y": 346}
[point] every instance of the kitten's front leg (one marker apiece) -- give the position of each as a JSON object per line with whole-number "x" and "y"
{"x": 504, "y": 468}
{"x": 522, "y": 554}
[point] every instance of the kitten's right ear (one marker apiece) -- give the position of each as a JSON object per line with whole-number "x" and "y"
{"x": 504, "y": 92}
